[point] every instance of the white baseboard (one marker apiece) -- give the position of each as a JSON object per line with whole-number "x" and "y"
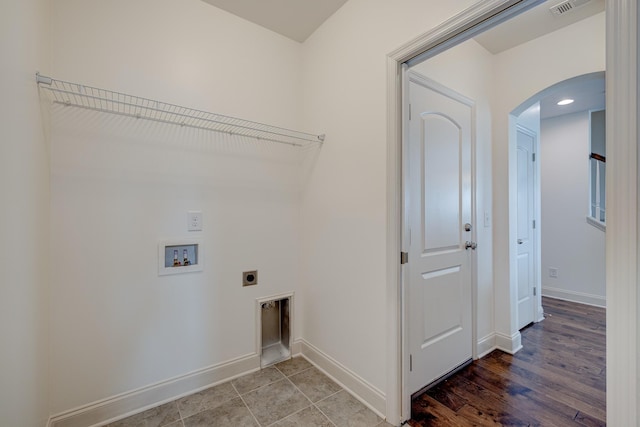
{"x": 509, "y": 344}
{"x": 296, "y": 348}
{"x": 130, "y": 403}
{"x": 573, "y": 296}
{"x": 486, "y": 345}
{"x": 369, "y": 395}
{"x": 133, "y": 402}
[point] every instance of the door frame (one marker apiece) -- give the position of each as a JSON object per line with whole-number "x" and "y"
{"x": 623, "y": 232}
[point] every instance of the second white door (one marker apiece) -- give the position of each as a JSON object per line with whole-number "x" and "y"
{"x": 526, "y": 242}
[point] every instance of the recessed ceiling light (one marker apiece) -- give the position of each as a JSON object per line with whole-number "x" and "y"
{"x": 565, "y": 102}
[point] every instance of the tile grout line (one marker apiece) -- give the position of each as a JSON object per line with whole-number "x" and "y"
{"x": 295, "y": 373}
{"x": 182, "y": 418}
{"x": 245, "y": 404}
{"x": 311, "y": 404}
{"x": 321, "y": 411}
{"x": 290, "y": 415}
{"x": 314, "y": 403}
{"x": 288, "y": 377}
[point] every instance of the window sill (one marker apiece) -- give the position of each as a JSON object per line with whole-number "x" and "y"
{"x": 597, "y": 224}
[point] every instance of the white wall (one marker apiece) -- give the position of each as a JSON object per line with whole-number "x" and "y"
{"x": 119, "y": 186}
{"x": 451, "y": 69}
{"x": 522, "y": 72}
{"x": 24, "y": 216}
{"x": 569, "y": 243}
{"x": 344, "y": 204}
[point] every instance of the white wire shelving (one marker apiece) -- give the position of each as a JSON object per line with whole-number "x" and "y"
{"x": 108, "y": 101}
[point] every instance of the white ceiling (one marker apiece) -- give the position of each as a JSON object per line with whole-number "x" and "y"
{"x": 588, "y": 95}
{"x": 296, "y": 19}
{"x": 534, "y": 23}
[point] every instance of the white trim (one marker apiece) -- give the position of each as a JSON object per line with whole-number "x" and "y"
{"x": 296, "y": 347}
{"x": 509, "y": 344}
{"x": 573, "y": 296}
{"x": 358, "y": 387}
{"x": 622, "y": 212}
{"x": 136, "y": 401}
{"x": 597, "y": 224}
{"x": 396, "y": 410}
{"x": 425, "y": 81}
{"x": 485, "y": 346}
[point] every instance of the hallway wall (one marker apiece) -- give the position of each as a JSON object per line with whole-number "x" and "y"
{"x": 522, "y": 72}
{"x": 569, "y": 243}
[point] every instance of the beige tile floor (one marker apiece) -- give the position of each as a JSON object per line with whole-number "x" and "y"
{"x": 289, "y": 394}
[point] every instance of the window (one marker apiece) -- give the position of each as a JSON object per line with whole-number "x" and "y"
{"x": 597, "y": 171}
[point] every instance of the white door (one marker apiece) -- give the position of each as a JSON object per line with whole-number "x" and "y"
{"x": 526, "y": 299}
{"x": 439, "y": 290}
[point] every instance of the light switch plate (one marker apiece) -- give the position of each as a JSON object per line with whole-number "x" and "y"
{"x": 194, "y": 221}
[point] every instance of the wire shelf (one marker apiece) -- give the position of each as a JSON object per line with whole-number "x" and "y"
{"x": 78, "y": 95}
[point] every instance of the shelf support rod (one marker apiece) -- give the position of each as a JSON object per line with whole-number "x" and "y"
{"x": 43, "y": 79}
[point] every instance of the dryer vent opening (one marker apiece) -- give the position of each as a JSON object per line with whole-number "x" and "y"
{"x": 276, "y": 331}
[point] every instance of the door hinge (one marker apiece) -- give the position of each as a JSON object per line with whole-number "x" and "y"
{"x": 533, "y": 157}
{"x": 409, "y": 111}
{"x": 404, "y": 257}
{"x": 410, "y": 363}
{"x": 535, "y": 291}
{"x": 534, "y": 224}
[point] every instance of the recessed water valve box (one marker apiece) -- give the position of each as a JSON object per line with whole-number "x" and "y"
{"x": 250, "y": 278}
{"x": 179, "y": 256}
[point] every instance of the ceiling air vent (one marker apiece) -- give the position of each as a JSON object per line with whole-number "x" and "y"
{"x": 566, "y": 6}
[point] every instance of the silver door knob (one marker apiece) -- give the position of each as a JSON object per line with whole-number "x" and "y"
{"x": 470, "y": 245}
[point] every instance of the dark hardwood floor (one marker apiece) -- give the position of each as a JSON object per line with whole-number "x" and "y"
{"x": 557, "y": 379}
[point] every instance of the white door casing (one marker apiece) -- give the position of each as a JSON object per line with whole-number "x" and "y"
{"x": 526, "y": 143}
{"x": 622, "y": 232}
{"x": 439, "y": 192}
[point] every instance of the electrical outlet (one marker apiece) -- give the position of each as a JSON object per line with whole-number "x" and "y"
{"x": 194, "y": 221}
{"x": 250, "y": 278}
{"x": 553, "y": 272}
